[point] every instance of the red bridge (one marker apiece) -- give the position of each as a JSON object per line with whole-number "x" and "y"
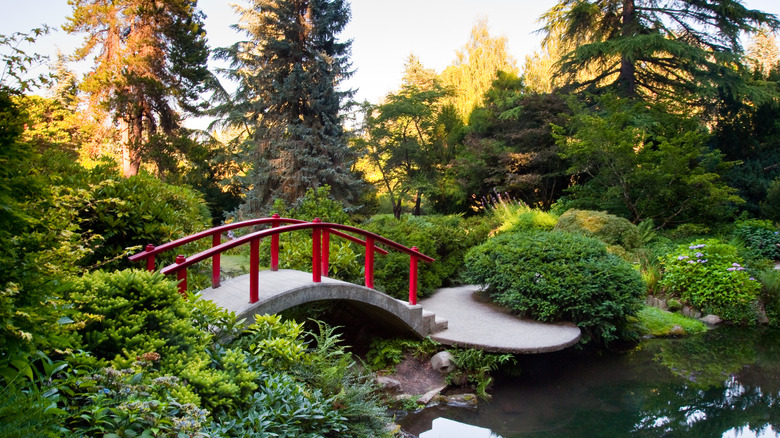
{"x": 247, "y": 295}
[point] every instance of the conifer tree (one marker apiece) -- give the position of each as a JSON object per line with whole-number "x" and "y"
{"x": 150, "y": 63}
{"x": 686, "y": 50}
{"x": 288, "y": 100}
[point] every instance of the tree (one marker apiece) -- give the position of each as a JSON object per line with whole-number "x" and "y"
{"x": 288, "y": 101}
{"x": 641, "y": 162}
{"x": 687, "y": 50}
{"x": 405, "y": 143}
{"x": 511, "y": 148}
{"x": 150, "y": 64}
{"x": 763, "y": 54}
{"x": 475, "y": 68}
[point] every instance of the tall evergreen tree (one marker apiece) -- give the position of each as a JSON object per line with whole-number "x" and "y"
{"x": 150, "y": 63}
{"x": 683, "y": 49}
{"x": 288, "y": 101}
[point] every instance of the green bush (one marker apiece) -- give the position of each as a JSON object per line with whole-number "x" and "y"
{"x": 760, "y": 237}
{"x": 559, "y": 276}
{"x": 442, "y": 237}
{"x": 120, "y": 213}
{"x": 770, "y": 294}
{"x": 608, "y": 228}
{"x": 709, "y": 275}
{"x": 131, "y": 313}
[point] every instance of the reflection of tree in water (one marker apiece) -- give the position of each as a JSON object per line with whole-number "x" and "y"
{"x": 709, "y": 359}
{"x": 716, "y": 398}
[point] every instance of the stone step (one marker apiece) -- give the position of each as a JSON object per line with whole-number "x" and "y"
{"x": 432, "y": 323}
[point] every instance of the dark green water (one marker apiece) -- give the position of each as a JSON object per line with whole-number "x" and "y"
{"x": 725, "y": 383}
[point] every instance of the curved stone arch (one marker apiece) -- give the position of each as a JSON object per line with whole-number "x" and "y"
{"x": 408, "y": 317}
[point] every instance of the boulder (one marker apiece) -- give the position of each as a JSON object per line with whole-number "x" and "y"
{"x": 388, "y": 384}
{"x": 711, "y": 319}
{"x": 443, "y": 362}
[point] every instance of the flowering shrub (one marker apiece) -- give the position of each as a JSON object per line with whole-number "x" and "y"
{"x": 710, "y": 276}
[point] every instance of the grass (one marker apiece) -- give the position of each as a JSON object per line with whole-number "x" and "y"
{"x": 656, "y": 322}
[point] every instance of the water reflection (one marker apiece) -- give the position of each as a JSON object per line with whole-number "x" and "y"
{"x": 725, "y": 383}
{"x": 446, "y": 428}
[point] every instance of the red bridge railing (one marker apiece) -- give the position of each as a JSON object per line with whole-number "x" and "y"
{"x": 321, "y": 233}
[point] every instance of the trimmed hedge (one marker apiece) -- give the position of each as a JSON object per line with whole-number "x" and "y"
{"x": 608, "y": 228}
{"x": 559, "y": 276}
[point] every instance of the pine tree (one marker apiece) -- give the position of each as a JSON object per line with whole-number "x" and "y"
{"x": 685, "y": 50}
{"x": 150, "y": 64}
{"x": 288, "y": 101}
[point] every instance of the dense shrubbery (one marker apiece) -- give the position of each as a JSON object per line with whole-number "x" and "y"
{"x": 560, "y": 276}
{"x": 442, "y": 237}
{"x": 608, "y": 228}
{"x": 709, "y": 275}
{"x": 760, "y": 238}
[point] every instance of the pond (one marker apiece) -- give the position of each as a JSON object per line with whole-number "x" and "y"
{"x": 724, "y": 383}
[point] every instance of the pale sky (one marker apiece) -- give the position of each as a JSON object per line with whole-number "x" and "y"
{"x": 384, "y": 33}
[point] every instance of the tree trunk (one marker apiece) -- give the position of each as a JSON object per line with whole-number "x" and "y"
{"x": 131, "y": 158}
{"x": 417, "y": 210}
{"x": 627, "y": 77}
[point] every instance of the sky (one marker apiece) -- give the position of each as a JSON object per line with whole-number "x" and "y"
{"x": 384, "y": 33}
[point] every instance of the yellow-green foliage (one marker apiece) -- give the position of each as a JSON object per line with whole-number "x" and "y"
{"x": 658, "y": 322}
{"x": 608, "y": 228}
{"x": 133, "y": 313}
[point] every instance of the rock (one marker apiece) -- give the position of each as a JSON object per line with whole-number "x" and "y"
{"x": 462, "y": 400}
{"x": 428, "y": 396}
{"x": 711, "y": 320}
{"x": 443, "y": 362}
{"x": 677, "y": 330}
{"x": 389, "y": 384}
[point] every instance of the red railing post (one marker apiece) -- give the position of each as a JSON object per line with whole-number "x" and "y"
{"x": 181, "y": 275}
{"x": 370, "y": 262}
{"x": 325, "y": 251}
{"x": 216, "y": 240}
{"x": 150, "y": 259}
{"x": 316, "y": 252}
{"x": 275, "y": 245}
{"x": 413, "y": 278}
{"x": 254, "y": 270}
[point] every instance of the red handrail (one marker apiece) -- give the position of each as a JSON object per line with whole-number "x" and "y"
{"x": 320, "y": 251}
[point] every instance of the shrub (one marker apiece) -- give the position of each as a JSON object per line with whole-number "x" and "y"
{"x": 709, "y": 275}
{"x": 559, "y": 276}
{"x": 129, "y": 314}
{"x": 441, "y": 237}
{"x": 608, "y": 228}
{"x": 770, "y": 294}
{"x": 119, "y": 213}
{"x": 760, "y": 237}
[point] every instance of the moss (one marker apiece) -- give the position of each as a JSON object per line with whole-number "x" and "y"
{"x": 656, "y": 322}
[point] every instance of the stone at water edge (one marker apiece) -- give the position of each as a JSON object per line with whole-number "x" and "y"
{"x": 443, "y": 362}
{"x": 711, "y": 319}
{"x": 428, "y": 396}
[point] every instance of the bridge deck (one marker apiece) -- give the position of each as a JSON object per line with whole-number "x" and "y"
{"x": 465, "y": 320}
{"x": 476, "y": 324}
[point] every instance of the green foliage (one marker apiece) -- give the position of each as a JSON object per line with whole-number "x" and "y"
{"x": 387, "y": 353}
{"x": 610, "y": 229}
{"x": 760, "y": 237}
{"x": 770, "y": 208}
{"x": 770, "y": 294}
{"x": 299, "y": 141}
{"x": 475, "y": 366}
{"x": 441, "y": 237}
{"x": 295, "y": 248}
{"x": 558, "y": 276}
{"x": 515, "y": 215}
{"x": 709, "y": 275}
{"x": 640, "y": 162}
{"x": 127, "y": 403}
{"x": 275, "y": 344}
{"x": 656, "y": 322}
{"x": 122, "y": 213}
{"x": 510, "y": 146}
{"x": 131, "y": 313}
